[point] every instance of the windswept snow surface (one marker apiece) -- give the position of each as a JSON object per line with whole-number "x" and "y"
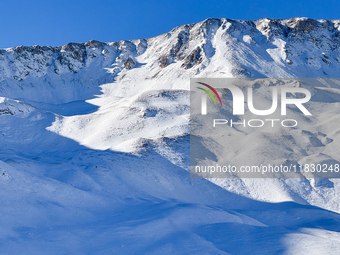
{"x": 95, "y": 146}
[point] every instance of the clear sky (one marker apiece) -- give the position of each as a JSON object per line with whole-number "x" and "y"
{"x": 57, "y": 22}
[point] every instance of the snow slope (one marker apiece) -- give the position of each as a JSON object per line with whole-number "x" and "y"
{"x": 95, "y": 145}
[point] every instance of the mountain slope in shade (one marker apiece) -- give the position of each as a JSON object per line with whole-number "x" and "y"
{"x": 94, "y": 154}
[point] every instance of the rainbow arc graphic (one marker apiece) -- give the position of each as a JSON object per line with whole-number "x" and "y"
{"x": 209, "y": 93}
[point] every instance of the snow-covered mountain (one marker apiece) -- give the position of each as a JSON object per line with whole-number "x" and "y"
{"x": 95, "y": 145}
{"x": 297, "y": 47}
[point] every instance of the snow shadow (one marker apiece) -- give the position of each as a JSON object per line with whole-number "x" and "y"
{"x": 63, "y": 198}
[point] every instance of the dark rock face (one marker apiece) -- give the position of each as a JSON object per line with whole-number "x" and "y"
{"x": 73, "y": 47}
{"x": 176, "y": 51}
{"x": 33, "y": 49}
{"x": 129, "y": 63}
{"x": 304, "y": 26}
{"x": 5, "y": 112}
{"x": 77, "y": 50}
{"x": 193, "y": 58}
{"x": 21, "y": 49}
{"x": 94, "y": 44}
{"x": 182, "y": 39}
{"x": 163, "y": 61}
{"x": 275, "y": 28}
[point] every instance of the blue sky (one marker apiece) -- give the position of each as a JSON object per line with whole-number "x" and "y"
{"x": 57, "y": 22}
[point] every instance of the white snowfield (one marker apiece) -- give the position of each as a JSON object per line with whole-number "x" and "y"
{"x": 94, "y": 142}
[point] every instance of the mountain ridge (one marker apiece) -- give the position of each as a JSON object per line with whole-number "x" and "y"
{"x": 262, "y": 48}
